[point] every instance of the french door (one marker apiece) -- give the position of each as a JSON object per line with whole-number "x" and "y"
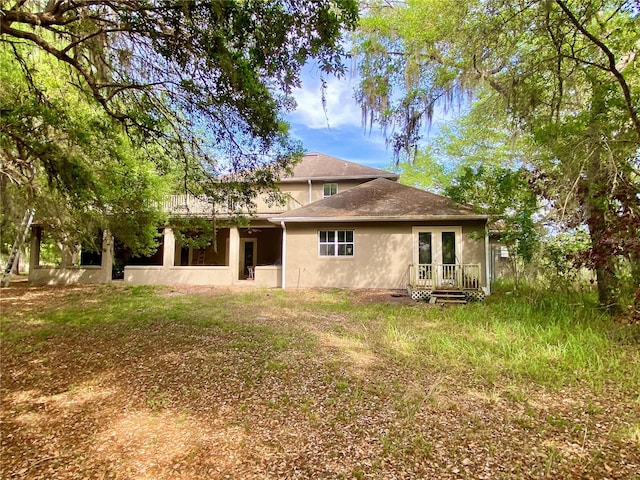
{"x": 436, "y": 251}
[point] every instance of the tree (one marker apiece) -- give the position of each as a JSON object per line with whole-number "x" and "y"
{"x": 198, "y": 85}
{"x": 504, "y": 195}
{"x": 566, "y": 72}
{"x": 560, "y": 254}
{"x": 83, "y": 173}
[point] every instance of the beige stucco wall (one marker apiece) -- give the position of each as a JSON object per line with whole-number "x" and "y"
{"x": 268, "y": 276}
{"x": 157, "y": 275}
{"x": 318, "y": 188}
{"x": 299, "y": 191}
{"x": 473, "y": 245}
{"x": 69, "y": 275}
{"x": 383, "y": 253}
{"x": 263, "y": 205}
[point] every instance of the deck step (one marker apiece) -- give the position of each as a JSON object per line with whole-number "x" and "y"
{"x": 448, "y": 301}
{"x": 449, "y": 296}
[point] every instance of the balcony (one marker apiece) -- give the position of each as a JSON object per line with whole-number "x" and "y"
{"x": 192, "y": 205}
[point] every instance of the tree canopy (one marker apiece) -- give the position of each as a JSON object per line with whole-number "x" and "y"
{"x": 195, "y": 86}
{"x": 81, "y": 172}
{"x": 566, "y": 72}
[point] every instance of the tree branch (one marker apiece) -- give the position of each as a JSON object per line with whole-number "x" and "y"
{"x": 47, "y": 47}
{"x": 612, "y": 64}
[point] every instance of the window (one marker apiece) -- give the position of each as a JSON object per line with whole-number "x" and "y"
{"x": 329, "y": 189}
{"x": 338, "y": 243}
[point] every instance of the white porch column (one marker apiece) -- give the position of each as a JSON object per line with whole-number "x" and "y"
{"x": 107, "y": 256}
{"x": 234, "y": 254}
{"x": 169, "y": 249}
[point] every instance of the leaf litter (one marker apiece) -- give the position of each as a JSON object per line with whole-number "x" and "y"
{"x": 271, "y": 386}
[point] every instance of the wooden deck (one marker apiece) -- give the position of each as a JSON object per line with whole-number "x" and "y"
{"x": 444, "y": 283}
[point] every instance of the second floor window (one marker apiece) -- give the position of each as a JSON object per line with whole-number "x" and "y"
{"x": 329, "y": 189}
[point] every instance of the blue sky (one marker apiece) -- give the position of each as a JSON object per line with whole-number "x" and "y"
{"x": 338, "y": 131}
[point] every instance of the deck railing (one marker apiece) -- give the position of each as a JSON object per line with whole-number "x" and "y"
{"x": 442, "y": 276}
{"x": 192, "y": 205}
{"x": 187, "y": 204}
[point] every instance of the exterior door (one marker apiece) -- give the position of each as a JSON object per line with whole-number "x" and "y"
{"x": 248, "y": 255}
{"x": 436, "y": 252}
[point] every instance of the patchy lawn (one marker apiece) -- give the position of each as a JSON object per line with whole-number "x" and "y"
{"x": 129, "y": 382}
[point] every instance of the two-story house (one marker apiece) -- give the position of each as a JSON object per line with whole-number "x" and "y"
{"x": 343, "y": 225}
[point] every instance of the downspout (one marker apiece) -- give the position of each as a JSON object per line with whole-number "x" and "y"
{"x": 487, "y": 259}
{"x": 284, "y": 254}
{"x": 310, "y": 191}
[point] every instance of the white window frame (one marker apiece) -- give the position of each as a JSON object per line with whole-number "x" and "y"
{"x": 336, "y": 243}
{"x": 324, "y": 192}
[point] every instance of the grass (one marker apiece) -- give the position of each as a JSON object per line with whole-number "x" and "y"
{"x": 318, "y": 381}
{"x": 549, "y": 342}
{"x": 537, "y": 337}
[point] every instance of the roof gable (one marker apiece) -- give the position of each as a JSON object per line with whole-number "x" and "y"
{"x": 318, "y": 166}
{"x": 381, "y": 200}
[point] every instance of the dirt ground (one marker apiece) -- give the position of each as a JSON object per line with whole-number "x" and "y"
{"x": 21, "y": 296}
{"x": 166, "y": 400}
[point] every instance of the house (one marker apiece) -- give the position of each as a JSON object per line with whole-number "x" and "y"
{"x": 344, "y": 225}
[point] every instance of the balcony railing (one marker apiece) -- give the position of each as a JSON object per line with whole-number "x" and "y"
{"x": 192, "y": 205}
{"x": 443, "y": 276}
{"x": 188, "y": 205}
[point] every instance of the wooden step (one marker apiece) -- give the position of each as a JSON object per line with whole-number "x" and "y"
{"x": 458, "y": 301}
{"x": 448, "y": 296}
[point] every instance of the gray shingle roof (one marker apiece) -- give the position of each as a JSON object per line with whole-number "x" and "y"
{"x": 381, "y": 200}
{"x": 318, "y": 166}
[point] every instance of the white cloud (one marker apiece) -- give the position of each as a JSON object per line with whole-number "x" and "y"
{"x": 341, "y": 108}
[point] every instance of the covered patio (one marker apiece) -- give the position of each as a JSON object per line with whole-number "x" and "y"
{"x": 250, "y": 255}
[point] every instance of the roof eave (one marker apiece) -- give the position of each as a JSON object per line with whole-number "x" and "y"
{"x": 391, "y": 176}
{"x": 413, "y": 218}
{"x": 226, "y": 216}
